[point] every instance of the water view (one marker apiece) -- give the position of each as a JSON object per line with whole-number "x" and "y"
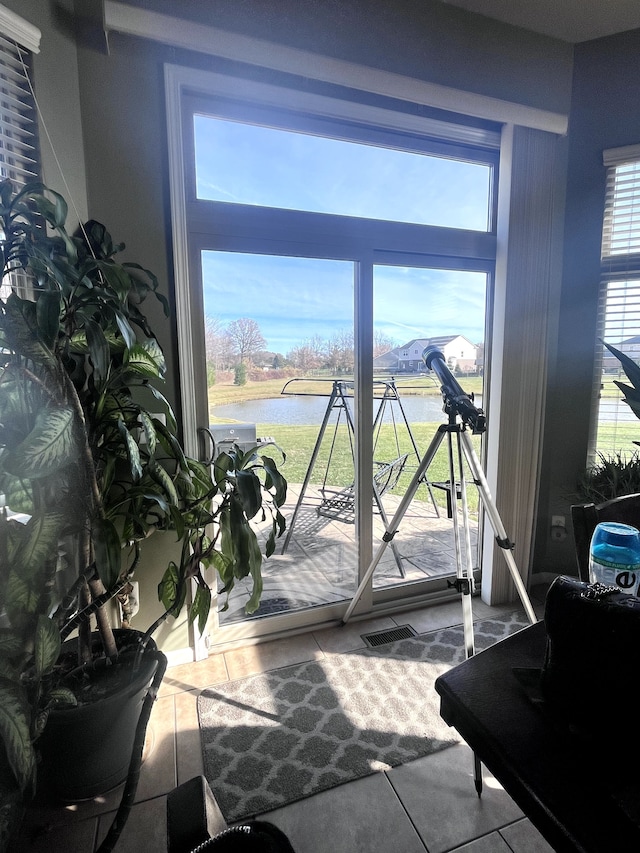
{"x": 311, "y": 410}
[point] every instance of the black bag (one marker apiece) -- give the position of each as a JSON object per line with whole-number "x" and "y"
{"x": 254, "y": 836}
{"x": 589, "y": 673}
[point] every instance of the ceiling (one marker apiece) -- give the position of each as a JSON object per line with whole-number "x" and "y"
{"x": 569, "y": 20}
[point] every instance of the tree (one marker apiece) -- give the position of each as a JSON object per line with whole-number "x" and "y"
{"x": 245, "y": 337}
{"x": 340, "y": 351}
{"x": 309, "y": 355}
{"x": 214, "y": 346}
{"x": 240, "y": 377}
{"x": 381, "y": 343}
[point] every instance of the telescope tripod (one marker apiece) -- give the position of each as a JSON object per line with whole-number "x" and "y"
{"x": 459, "y": 448}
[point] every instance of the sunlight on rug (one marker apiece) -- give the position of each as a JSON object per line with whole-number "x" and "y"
{"x": 270, "y": 739}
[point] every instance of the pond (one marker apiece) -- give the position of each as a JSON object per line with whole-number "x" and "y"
{"x": 311, "y": 410}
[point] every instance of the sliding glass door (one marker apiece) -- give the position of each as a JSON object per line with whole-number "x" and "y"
{"x": 320, "y": 256}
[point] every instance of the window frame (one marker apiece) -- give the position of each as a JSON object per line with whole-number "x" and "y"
{"x": 207, "y": 224}
{"x": 530, "y": 211}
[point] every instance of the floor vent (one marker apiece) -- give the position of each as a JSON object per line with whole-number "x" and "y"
{"x": 379, "y": 638}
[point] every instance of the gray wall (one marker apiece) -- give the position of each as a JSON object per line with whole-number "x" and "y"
{"x": 604, "y": 114}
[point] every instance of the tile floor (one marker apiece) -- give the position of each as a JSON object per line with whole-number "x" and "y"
{"x": 427, "y": 805}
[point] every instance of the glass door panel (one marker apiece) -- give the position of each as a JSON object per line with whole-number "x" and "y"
{"x": 415, "y": 308}
{"x": 279, "y": 341}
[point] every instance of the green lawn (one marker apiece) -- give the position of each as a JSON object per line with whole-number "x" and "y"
{"x": 334, "y": 464}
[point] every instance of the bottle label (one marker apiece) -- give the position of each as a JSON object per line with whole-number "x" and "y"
{"x": 625, "y": 577}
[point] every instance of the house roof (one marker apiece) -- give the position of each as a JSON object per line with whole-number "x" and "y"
{"x": 394, "y": 355}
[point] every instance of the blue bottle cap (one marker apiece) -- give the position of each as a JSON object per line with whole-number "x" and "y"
{"x": 617, "y": 534}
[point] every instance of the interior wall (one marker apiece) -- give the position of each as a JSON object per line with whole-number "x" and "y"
{"x": 422, "y": 38}
{"x": 604, "y": 114}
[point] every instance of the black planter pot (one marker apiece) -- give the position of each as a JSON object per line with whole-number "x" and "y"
{"x": 86, "y": 751}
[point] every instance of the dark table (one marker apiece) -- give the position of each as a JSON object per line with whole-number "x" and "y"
{"x": 580, "y": 799}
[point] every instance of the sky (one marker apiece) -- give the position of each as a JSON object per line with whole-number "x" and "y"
{"x": 295, "y": 299}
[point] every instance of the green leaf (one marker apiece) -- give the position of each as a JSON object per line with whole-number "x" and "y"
{"x": 132, "y": 451}
{"x": 139, "y": 362}
{"x": 171, "y": 592}
{"x": 270, "y": 545}
{"x": 117, "y": 278}
{"x": 149, "y": 431}
{"x": 126, "y": 331}
{"x": 99, "y": 350}
{"x": 15, "y": 732}
{"x": 46, "y": 645}
{"x": 158, "y": 473}
{"x": 62, "y": 696}
{"x": 170, "y": 443}
{"x": 200, "y": 607}
{"x": 19, "y": 323}
{"x": 55, "y": 212}
{"x": 222, "y": 465}
{"x": 255, "y": 568}
{"x": 32, "y": 545}
{"x": 275, "y": 479}
{"x": 20, "y": 597}
{"x": 249, "y": 492}
{"x": 48, "y": 316}
{"x": 154, "y": 351}
{"x": 48, "y": 447}
{"x": 108, "y": 551}
{"x": 631, "y": 369}
{"x": 281, "y": 521}
{"x": 171, "y": 418}
{"x": 10, "y": 642}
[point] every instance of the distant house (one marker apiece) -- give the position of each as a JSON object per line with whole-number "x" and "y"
{"x": 457, "y": 350}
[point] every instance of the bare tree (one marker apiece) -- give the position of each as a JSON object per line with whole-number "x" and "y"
{"x": 340, "y": 357}
{"x": 245, "y": 337}
{"x": 309, "y": 355}
{"x": 213, "y": 340}
{"x": 381, "y": 343}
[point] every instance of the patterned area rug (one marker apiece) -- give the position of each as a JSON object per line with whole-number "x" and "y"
{"x": 274, "y": 738}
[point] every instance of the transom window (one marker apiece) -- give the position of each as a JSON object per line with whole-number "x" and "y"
{"x": 250, "y": 164}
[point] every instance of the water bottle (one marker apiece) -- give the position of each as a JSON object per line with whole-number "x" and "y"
{"x": 614, "y": 556}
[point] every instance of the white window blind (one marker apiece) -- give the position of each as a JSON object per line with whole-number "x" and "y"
{"x": 19, "y": 150}
{"x": 619, "y": 310}
{"x": 19, "y": 156}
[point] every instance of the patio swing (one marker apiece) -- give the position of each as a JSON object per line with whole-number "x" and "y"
{"x": 338, "y": 504}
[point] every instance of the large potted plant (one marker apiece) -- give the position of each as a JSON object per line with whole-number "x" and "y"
{"x": 90, "y": 465}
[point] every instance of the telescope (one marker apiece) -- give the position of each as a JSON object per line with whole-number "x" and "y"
{"x": 456, "y": 401}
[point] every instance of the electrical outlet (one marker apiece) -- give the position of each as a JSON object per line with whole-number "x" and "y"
{"x": 558, "y": 521}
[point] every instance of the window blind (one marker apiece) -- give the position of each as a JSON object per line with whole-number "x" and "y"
{"x": 619, "y": 309}
{"x": 19, "y": 154}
